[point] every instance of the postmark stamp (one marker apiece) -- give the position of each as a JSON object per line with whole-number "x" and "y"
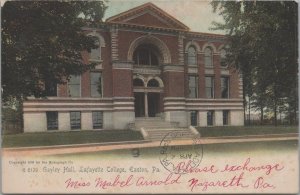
{"x": 180, "y": 159}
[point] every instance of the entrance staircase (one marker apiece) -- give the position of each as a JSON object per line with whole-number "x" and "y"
{"x": 156, "y": 128}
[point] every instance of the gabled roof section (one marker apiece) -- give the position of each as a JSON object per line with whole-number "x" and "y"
{"x": 150, "y": 15}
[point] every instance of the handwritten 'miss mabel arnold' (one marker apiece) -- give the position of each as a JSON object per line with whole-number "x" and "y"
{"x": 239, "y": 180}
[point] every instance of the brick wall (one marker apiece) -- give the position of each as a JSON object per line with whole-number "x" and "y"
{"x": 122, "y": 83}
{"x": 119, "y": 82}
{"x": 174, "y": 84}
{"x": 107, "y": 69}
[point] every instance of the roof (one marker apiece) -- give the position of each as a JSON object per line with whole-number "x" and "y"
{"x": 130, "y": 16}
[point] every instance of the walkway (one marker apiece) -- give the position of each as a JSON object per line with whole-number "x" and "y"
{"x": 95, "y": 147}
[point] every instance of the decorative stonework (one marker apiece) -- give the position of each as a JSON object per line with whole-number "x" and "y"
{"x": 240, "y": 86}
{"x": 148, "y": 7}
{"x": 180, "y": 49}
{"x": 161, "y": 83}
{"x": 163, "y": 49}
{"x": 193, "y": 43}
{"x": 147, "y": 71}
{"x": 192, "y": 70}
{"x": 122, "y": 65}
{"x": 210, "y": 45}
{"x": 209, "y": 71}
{"x": 225, "y": 72}
{"x": 114, "y": 42}
{"x": 173, "y": 68}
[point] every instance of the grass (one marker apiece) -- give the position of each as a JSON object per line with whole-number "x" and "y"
{"x": 82, "y": 137}
{"x": 245, "y": 130}
{"x": 209, "y": 150}
{"x": 73, "y": 137}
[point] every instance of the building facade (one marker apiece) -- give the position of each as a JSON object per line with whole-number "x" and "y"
{"x": 149, "y": 64}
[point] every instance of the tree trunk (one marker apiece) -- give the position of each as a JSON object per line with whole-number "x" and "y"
{"x": 291, "y": 117}
{"x": 244, "y": 101}
{"x": 275, "y": 112}
{"x": 249, "y": 106}
{"x": 261, "y": 115}
{"x": 245, "y": 107}
{"x": 295, "y": 122}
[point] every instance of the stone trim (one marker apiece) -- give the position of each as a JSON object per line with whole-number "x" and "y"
{"x": 148, "y": 6}
{"x": 193, "y": 70}
{"x": 209, "y": 45}
{"x": 180, "y": 49}
{"x": 173, "y": 68}
{"x": 147, "y": 90}
{"x": 162, "y": 47}
{"x": 193, "y": 43}
{"x": 209, "y": 71}
{"x": 150, "y": 70}
{"x": 114, "y": 42}
{"x": 122, "y": 65}
{"x": 225, "y": 72}
{"x": 148, "y": 12}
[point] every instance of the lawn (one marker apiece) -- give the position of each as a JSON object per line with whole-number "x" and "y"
{"x": 222, "y": 150}
{"x": 82, "y": 137}
{"x": 73, "y": 137}
{"x": 245, "y": 130}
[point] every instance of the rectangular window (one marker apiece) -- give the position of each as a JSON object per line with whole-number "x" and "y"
{"x": 193, "y": 86}
{"x": 50, "y": 88}
{"x": 208, "y": 53}
{"x": 224, "y": 87}
{"x": 194, "y": 118}
{"x": 74, "y": 86}
{"x": 207, "y": 61}
{"x": 210, "y": 118}
{"x": 225, "y": 117}
{"x": 96, "y": 84}
{"x": 75, "y": 120}
{"x": 95, "y": 54}
{"x": 97, "y": 119}
{"x": 52, "y": 120}
{"x": 209, "y": 87}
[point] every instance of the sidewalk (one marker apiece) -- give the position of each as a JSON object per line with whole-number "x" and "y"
{"x": 95, "y": 147}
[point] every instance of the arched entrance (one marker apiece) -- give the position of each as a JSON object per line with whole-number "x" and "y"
{"x": 148, "y": 53}
{"x": 147, "y": 97}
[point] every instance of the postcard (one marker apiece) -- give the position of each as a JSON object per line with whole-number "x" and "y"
{"x": 130, "y": 97}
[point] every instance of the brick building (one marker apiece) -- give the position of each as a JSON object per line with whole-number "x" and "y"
{"x": 149, "y": 65}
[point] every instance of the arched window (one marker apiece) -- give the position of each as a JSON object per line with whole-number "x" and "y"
{"x": 192, "y": 56}
{"x": 153, "y": 83}
{"x": 138, "y": 82}
{"x": 223, "y": 57}
{"x": 145, "y": 55}
{"x": 208, "y": 57}
{"x": 95, "y": 53}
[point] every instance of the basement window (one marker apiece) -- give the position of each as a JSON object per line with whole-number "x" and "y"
{"x": 52, "y": 120}
{"x": 75, "y": 120}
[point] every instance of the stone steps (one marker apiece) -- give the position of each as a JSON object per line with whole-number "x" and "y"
{"x": 159, "y": 134}
{"x": 156, "y": 128}
{"x": 153, "y": 123}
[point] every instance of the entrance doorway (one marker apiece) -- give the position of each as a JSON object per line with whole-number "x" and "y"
{"x": 139, "y": 104}
{"x": 146, "y": 104}
{"x": 153, "y": 104}
{"x": 147, "y": 97}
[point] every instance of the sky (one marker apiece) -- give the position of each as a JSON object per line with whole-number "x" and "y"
{"x": 196, "y": 14}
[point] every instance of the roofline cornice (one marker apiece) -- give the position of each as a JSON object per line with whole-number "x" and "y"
{"x": 185, "y": 33}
